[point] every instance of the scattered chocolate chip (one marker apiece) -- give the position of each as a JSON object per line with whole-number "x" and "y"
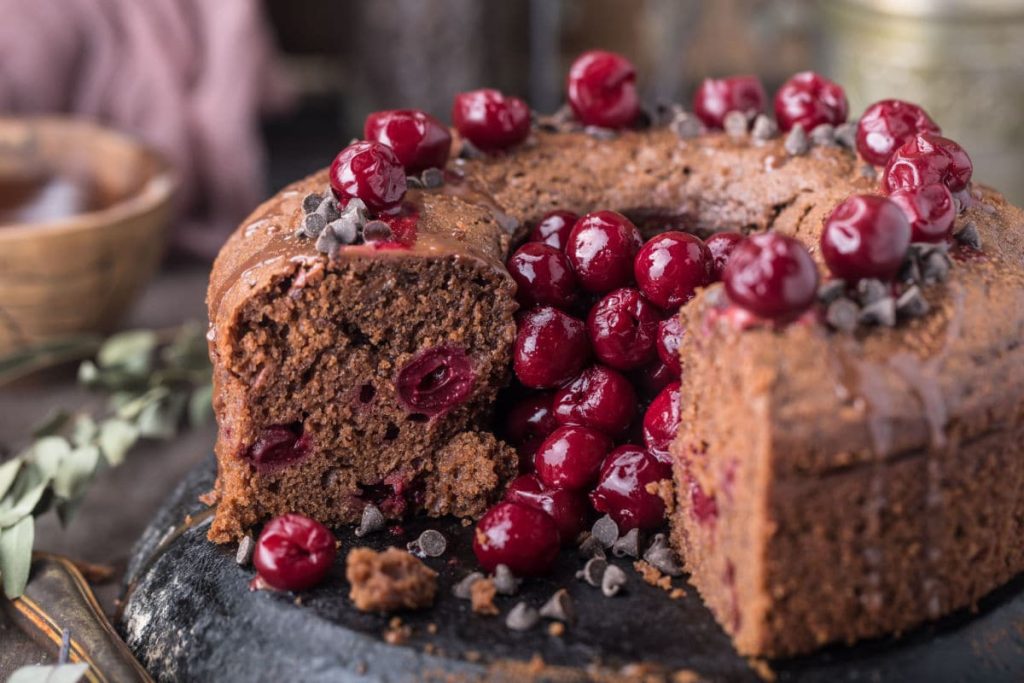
{"x": 311, "y": 201}
{"x": 313, "y": 225}
{"x": 559, "y": 607}
{"x": 593, "y": 571}
{"x": 870, "y": 290}
{"x": 612, "y": 581}
{"x": 243, "y": 556}
{"x": 606, "y": 531}
{"x": 377, "y": 231}
{"x": 329, "y": 209}
{"x": 735, "y": 124}
{"x": 823, "y": 135}
{"x": 462, "y": 590}
{"x": 764, "y": 128}
{"x": 469, "y": 151}
{"x": 664, "y": 112}
{"x": 432, "y": 543}
{"x": 912, "y": 304}
{"x": 591, "y": 547}
{"x": 969, "y": 236}
{"x": 344, "y": 229}
{"x": 842, "y": 315}
{"x": 831, "y": 290}
{"x": 413, "y": 182}
{"x": 868, "y": 172}
{"x": 685, "y": 126}
{"x": 600, "y": 133}
{"x": 846, "y": 135}
{"x": 796, "y": 143}
{"x": 433, "y": 178}
{"x": 522, "y": 617}
{"x": 505, "y": 582}
{"x": 910, "y": 271}
{"x": 327, "y": 242}
{"x": 935, "y": 267}
{"x": 661, "y": 556}
{"x": 628, "y": 545}
{"x": 371, "y": 521}
{"x": 881, "y": 312}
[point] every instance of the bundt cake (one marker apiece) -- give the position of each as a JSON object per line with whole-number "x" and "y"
{"x": 838, "y": 457}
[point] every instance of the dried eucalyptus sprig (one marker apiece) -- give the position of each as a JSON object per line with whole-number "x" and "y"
{"x": 152, "y": 389}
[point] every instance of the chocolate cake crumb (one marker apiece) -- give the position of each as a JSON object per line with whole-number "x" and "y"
{"x": 591, "y": 547}
{"x": 505, "y": 582}
{"x": 796, "y": 143}
{"x": 968, "y": 236}
{"x": 462, "y": 590}
{"x": 371, "y": 522}
{"x": 556, "y": 629}
{"x": 735, "y": 124}
{"x": 522, "y": 617}
{"x": 593, "y": 571}
{"x": 606, "y": 531}
{"x": 433, "y": 178}
{"x": 881, "y": 312}
{"x": 559, "y": 606}
{"x": 652, "y": 576}
{"x": 243, "y": 556}
{"x": 482, "y": 593}
{"x": 912, "y": 304}
{"x": 389, "y": 580}
{"x": 842, "y": 315}
{"x": 764, "y": 129}
{"x": 823, "y": 135}
{"x": 470, "y": 471}
{"x": 845, "y": 134}
{"x": 431, "y": 543}
{"x": 377, "y": 231}
{"x": 628, "y": 545}
{"x": 612, "y": 581}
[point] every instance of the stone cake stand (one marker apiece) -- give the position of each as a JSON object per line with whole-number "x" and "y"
{"x": 188, "y": 615}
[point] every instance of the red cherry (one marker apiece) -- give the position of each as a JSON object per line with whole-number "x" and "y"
{"x": 926, "y": 159}
{"x": 721, "y": 245}
{"x": 652, "y": 378}
{"x": 866, "y": 236}
{"x": 661, "y": 422}
{"x": 529, "y": 422}
{"x": 716, "y": 97}
{"x": 602, "y": 90}
{"x": 771, "y": 275}
{"x": 418, "y": 139}
{"x": 435, "y": 380}
{"x": 670, "y": 336}
{"x": 670, "y": 268}
{"x": 553, "y": 228}
{"x": 888, "y": 124}
{"x": 622, "y": 490}
{"x": 543, "y": 276}
{"x": 623, "y": 328}
{"x": 368, "y": 171}
{"x": 490, "y": 119}
{"x": 278, "y": 445}
{"x": 550, "y": 348}
{"x": 571, "y": 457}
{"x": 601, "y": 249}
{"x": 809, "y": 99}
{"x": 294, "y": 552}
{"x": 522, "y": 538}
{"x": 930, "y": 210}
{"x": 599, "y": 398}
{"x": 569, "y": 509}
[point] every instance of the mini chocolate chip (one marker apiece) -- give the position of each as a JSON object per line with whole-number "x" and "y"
{"x": 764, "y": 128}
{"x": 327, "y": 242}
{"x": 685, "y": 126}
{"x": 470, "y": 151}
{"x": 912, "y": 304}
{"x": 522, "y": 617}
{"x": 612, "y": 581}
{"x": 593, "y": 571}
{"x": 311, "y": 201}
{"x": 658, "y": 541}
{"x": 313, "y": 225}
{"x": 831, "y": 290}
{"x": 377, "y": 231}
{"x": 910, "y": 271}
{"x": 870, "y": 290}
{"x": 606, "y": 531}
{"x": 591, "y": 547}
{"x": 935, "y": 267}
{"x": 559, "y": 607}
{"x": 433, "y": 543}
{"x": 505, "y": 582}
{"x": 628, "y": 544}
{"x": 881, "y": 312}
{"x": 796, "y": 143}
{"x": 329, "y": 209}
{"x": 433, "y": 178}
{"x": 371, "y": 521}
{"x": 869, "y": 172}
{"x": 600, "y": 133}
{"x": 344, "y": 229}
{"x": 735, "y": 124}
{"x": 664, "y": 560}
{"x": 969, "y": 236}
{"x": 664, "y": 113}
{"x": 823, "y": 135}
{"x": 463, "y": 589}
{"x": 842, "y": 315}
{"x": 846, "y": 135}
{"x": 413, "y": 182}
{"x": 245, "y": 548}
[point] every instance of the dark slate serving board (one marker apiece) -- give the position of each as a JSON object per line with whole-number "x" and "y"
{"x": 188, "y": 615}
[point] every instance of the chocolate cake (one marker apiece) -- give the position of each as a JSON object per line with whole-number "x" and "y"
{"x": 845, "y": 461}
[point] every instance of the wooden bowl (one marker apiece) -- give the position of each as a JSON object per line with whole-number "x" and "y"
{"x": 78, "y": 273}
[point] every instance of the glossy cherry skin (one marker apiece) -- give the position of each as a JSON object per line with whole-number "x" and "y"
{"x": 866, "y": 236}
{"x": 436, "y": 380}
{"x": 926, "y": 159}
{"x": 601, "y": 249}
{"x": 670, "y": 268}
{"x": 886, "y": 125}
{"x": 569, "y": 509}
{"x": 369, "y": 171}
{"x": 930, "y": 210}
{"x": 622, "y": 491}
{"x": 599, "y": 398}
{"x": 721, "y": 245}
{"x": 809, "y": 99}
{"x": 277, "y": 445}
{"x": 772, "y": 276}
{"x": 550, "y": 348}
{"x": 661, "y": 422}
{"x": 294, "y": 552}
{"x": 716, "y": 97}
{"x": 543, "y": 276}
{"x": 571, "y": 457}
{"x": 553, "y": 228}
{"x": 623, "y": 328}
{"x": 529, "y": 422}
{"x": 418, "y": 139}
{"x": 602, "y": 90}
{"x": 652, "y": 378}
{"x": 523, "y": 538}
{"x": 491, "y": 120}
{"x": 670, "y": 336}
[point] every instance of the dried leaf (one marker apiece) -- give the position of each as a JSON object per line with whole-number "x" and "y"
{"x": 116, "y": 438}
{"x": 47, "y": 454}
{"x": 25, "y": 501}
{"x": 57, "y": 673}
{"x": 16, "y": 556}
{"x": 132, "y": 409}
{"x": 130, "y": 351}
{"x": 88, "y": 373}
{"x": 76, "y": 472}
{"x": 200, "y": 406}
{"x": 160, "y": 419}
{"x": 8, "y": 472}
{"x": 84, "y": 430}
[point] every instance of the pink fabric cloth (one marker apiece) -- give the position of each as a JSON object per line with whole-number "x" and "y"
{"x": 189, "y": 76}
